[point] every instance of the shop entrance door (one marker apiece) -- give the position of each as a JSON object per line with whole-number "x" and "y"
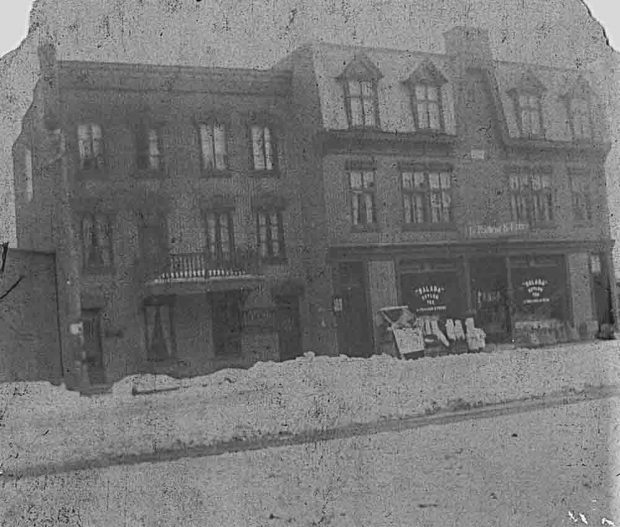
{"x": 602, "y": 290}
{"x": 354, "y": 336}
{"x": 289, "y": 327}
{"x": 489, "y": 287}
{"x": 92, "y": 345}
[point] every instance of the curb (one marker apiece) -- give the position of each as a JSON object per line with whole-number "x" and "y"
{"x": 441, "y": 417}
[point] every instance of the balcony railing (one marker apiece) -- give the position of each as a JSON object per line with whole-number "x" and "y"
{"x": 199, "y": 266}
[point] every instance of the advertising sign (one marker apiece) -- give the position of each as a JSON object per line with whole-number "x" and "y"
{"x": 503, "y": 229}
{"x": 431, "y": 299}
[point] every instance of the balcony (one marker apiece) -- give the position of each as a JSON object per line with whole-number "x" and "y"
{"x": 199, "y": 272}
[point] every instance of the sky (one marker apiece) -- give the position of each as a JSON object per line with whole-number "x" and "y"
{"x": 14, "y": 21}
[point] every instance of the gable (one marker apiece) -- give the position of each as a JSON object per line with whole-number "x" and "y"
{"x": 427, "y": 72}
{"x": 361, "y": 68}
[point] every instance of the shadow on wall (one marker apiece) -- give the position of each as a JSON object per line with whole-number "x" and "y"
{"x": 29, "y": 336}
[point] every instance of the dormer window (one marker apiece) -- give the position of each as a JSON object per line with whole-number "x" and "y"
{"x": 578, "y": 104}
{"x": 581, "y": 121}
{"x": 425, "y": 85}
{"x": 359, "y": 80}
{"x": 527, "y": 98}
{"x": 530, "y": 116}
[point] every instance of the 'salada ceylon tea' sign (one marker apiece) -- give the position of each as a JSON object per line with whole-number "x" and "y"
{"x": 501, "y": 229}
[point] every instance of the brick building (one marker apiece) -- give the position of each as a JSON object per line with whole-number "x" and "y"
{"x": 452, "y": 183}
{"x": 166, "y": 194}
{"x": 202, "y": 217}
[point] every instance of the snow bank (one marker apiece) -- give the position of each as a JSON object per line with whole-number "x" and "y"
{"x": 45, "y": 424}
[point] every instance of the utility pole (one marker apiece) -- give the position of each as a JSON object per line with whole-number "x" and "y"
{"x": 67, "y": 264}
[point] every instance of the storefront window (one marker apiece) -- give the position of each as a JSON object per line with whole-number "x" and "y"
{"x": 539, "y": 288}
{"x": 432, "y": 288}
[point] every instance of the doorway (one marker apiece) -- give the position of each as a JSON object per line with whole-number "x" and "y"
{"x": 289, "y": 326}
{"x": 354, "y": 327}
{"x": 602, "y": 290}
{"x": 91, "y": 321}
{"x": 489, "y": 287}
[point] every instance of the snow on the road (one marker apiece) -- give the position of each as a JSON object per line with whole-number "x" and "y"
{"x": 528, "y": 469}
{"x": 45, "y": 424}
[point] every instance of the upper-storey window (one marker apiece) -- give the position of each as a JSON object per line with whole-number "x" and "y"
{"x": 213, "y": 146}
{"x": 359, "y": 80}
{"x": 220, "y": 235}
{"x": 264, "y": 156}
{"x": 90, "y": 143}
{"x": 425, "y": 85}
{"x": 149, "y": 148}
{"x": 96, "y": 241}
{"x": 531, "y": 196}
{"x": 363, "y": 194}
{"x": 527, "y": 98}
{"x": 530, "y": 116}
{"x": 581, "y": 190}
{"x": 578, "y": 100}
{"x": 361, "y": 101}
{"x": 28, "y": 174}
{"x": 581, "y": 121}
{"x": 427, "y": 196}
{"x": 270, "y": 233}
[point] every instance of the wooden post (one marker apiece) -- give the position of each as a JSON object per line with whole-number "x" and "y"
{"x": 510, "y": 292}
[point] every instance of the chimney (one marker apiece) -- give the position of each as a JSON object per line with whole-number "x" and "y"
{"x": 468, "y": 42}
{"x": 49, "y": 79}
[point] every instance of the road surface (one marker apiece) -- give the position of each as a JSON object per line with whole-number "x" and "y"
{"x": 547, "y": 467}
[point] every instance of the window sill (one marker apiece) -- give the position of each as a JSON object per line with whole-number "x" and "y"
{"x": 149, "y": 173}
{"x": 224, "y": 173}
{"x": 416, "y": 227}
{"x": 584, "y": 223}
{"x": 274, "y": 260}
{"x": 543, "y": 225}
{"x": 92, "y": 173}
{"x": 365, "y": 228}
{"x": 274, "y": 173}
{"x": 363, "y": 128}
{"x": 96, "y": 271}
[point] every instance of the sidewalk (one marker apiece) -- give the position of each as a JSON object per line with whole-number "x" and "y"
{"x": 309, "y": 399}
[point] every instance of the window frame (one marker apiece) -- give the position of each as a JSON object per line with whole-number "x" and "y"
{"x": 537, "y": 107}
{"x": 362, "y": 169}
{"x": 100, "y": 158}
{"x": 581, "y": 176}
{"x": 232, "y": 338}
{"x": 531, "y": 196}
{"x": 28, "y": 174}
{"x": 263, "y": 125}
{"x": 427, "y": 193}
{"x": 374, "y": 97}
{"x": 158, "y": 304}
{"x": 219, "y": 257}
{"x": 267, "y": 212}
{"x": 108, "y": 233}
{"x": 142, "y": 144}
{"x": 415, "y": 102}
{"x": 588, "y": 118}
{"x": 210, "y": 124}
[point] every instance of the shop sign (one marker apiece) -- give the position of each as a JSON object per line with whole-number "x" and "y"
{"x": 502, "y": 229}
{"x": 431, "y": 295}
{"x": 535, "y": 289}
